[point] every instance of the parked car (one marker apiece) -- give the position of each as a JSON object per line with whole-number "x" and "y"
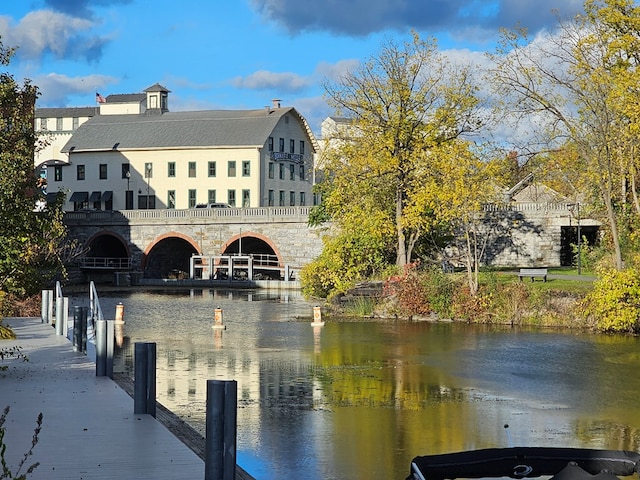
{"x": 213, "y": 205}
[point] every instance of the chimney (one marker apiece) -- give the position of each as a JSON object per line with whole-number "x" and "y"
{"x": 276, "y": 103}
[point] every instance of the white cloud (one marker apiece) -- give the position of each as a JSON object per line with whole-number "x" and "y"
{"x": 266, "y": 80}
{"x": 45, "y": 31}
{"x": 56, "y": 89}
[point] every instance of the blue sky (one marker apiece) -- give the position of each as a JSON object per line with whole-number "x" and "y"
{"x": 229, "y": 54}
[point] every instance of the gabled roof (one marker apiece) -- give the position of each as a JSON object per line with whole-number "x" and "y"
{"x": 209, "y": 128}
{"x": 126, "y": 98}
{"x": 156, "y": 87}
{"x": 539, "y": 193}
{"x": 66, "y": 112}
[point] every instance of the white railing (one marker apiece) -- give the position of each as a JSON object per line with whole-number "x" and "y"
{"x": 270, "y": 214}
{"x": 107, "y": 263}
{"x": 95, "y": 311}
{"x": 527, "y": 206}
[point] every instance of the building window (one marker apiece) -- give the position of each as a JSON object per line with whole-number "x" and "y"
{"x": 57, "y": 173}
{"x": 148, "y": 170}
{"x": 128, "y": 200}
{"x": 292, "y": 146}
{"x": 281, "y": 198}
{"x": 303, "y": 198}
{"x": 80, "y": 172}
{"x": 271, "y": 144}
{"x": 43, "y": 124}
{"x": 271, "y": 170}
{"x": 231, "y": 197}
{"x": 271, "y": 198}
{"x": 246, "y": 198}
{"x": 126, "y": 170}
{"x": 292, "y": 172}
{"x": 146, "y": 202}
{"x": 103, "y": 171}
{"x": 281, "y": 165}
{"x": 171, "y": 169}
{"x": 192, "y": 169}
{"x": 301, "y": 172}
{"x": 59, "y": 124}
{"x": 281, "y": 145}
{"x": 211, "y": 195}
{"x": 212, "y": 169}
{"x": 192, "y": 198}
{"x": 301, "y": 147}
{"x": 292, "y": 198}
{"x": 76, "y": 123}
{"x": 246, "y": 168}
{"x": 171, "y": 199}
{"x": 231, "y": 168}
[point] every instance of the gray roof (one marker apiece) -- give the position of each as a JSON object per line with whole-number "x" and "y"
{"x": 67, "y": 112}
{"x": 126, "y": 97}
{"x": 209, "y": 128}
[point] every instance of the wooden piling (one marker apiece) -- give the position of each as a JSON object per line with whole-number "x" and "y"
{"x": 217, "y": 319}
{"x": 317, "y": 317}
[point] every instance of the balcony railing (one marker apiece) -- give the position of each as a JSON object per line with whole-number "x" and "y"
{"x": 105, "y": 263}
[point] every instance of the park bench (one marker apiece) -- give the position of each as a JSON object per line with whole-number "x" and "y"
{"x": 533, "y": 273}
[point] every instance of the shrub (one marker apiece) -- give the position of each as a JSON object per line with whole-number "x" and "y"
{"x": 614, "y": 302}
{"x": 409, "y": 293}
{"x": 6, "y": 471}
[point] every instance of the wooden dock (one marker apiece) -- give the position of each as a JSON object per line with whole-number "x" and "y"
{"x": 89, "y": 430}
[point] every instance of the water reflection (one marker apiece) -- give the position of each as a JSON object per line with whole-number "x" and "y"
{"x": 360, "y": 399}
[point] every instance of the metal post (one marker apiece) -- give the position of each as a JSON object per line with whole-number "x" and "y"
{"x": 151, "y": 379}
{"x": 101, "y": 348}
{"x": 50, "y": 308}
{"x": 111, "y": 332}
{"x": 221, "y": 427}
{"x": 44, "y": 309}
{"x": 144, "y": 388}
{"x": 140, "y": 378}
{"x": 83, "y": 330}
{"x": 59, "y": 316}
{"x": 77, "y": 328}
{"x": 65, "y": 316}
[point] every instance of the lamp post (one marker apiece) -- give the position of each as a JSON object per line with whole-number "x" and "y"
{"x": 148, "y": 169}
{"x": 579, "y": 240}
{"x": 577, "y": 207}
{"x": 126, "y": 196}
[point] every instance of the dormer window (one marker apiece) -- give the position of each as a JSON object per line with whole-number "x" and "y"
{"x": 153, "y": 101}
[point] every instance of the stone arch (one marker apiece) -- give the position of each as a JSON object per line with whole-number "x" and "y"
{"x": 259, "y": 236}
{"x": 183, "y": 246}
{"x": 267, "y": 258}
{"x": 109, "y": 233}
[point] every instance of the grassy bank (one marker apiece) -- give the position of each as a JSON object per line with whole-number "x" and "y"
{"x": 502, "y": 298}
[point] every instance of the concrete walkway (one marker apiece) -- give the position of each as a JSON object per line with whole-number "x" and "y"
{"x": 89, "y": 430}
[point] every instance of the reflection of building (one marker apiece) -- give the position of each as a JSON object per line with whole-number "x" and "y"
{"x": 137, "y": 154}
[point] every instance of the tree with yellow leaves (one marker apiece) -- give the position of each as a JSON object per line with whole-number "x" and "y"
{"x": 580, "y": 86}
{"x": 404, "y": 105}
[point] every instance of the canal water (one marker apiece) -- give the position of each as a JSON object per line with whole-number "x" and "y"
{"x": 359, "y": 399}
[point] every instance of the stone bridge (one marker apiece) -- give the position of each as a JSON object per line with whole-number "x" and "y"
{"x": 162, "y": 243}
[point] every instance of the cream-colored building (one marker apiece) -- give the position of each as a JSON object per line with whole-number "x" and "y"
{"x": 136, "y": 154}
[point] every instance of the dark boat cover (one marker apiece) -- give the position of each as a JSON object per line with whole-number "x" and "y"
{"x": 523, "y": 462}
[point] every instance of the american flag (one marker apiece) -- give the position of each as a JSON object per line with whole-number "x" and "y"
{"x": 100, "y": 98}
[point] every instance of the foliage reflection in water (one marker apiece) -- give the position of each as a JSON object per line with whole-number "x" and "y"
{"x": 360, "y": 399}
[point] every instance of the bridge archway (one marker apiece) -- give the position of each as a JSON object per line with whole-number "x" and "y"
{"x": 261, "y": 248}
{"x": 168, "y": 256}
{"x": 109, "y": 245}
